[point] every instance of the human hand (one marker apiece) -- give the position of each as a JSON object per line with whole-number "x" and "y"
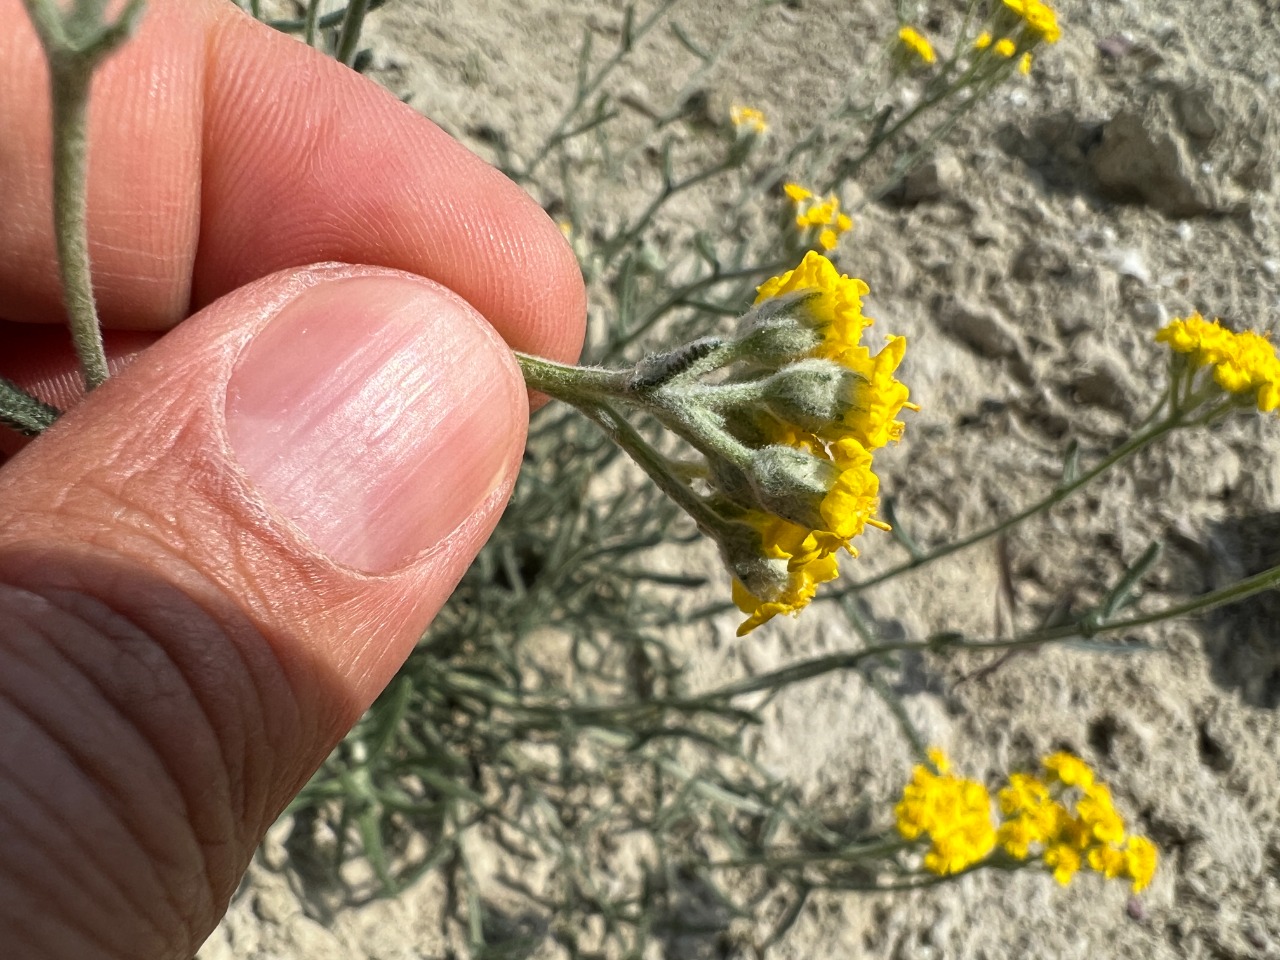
{"x": 213, "y": 564}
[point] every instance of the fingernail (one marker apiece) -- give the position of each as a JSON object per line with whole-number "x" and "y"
{"x": 378, "y": 414}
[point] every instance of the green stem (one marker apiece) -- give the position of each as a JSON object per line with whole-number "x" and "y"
{"x": 679, "y": 296}
{"x": 1241, "y": 590}
{"x": 21, "y": 411}
{"x": 587, "y": 86}
{"x": 326, "y": 22}
{"x": 349, "y": 33}
{"x": 577, "y": 386}
{"x": 70, "y": 216}
{"x": 726, "y": 396}
{"x": 854, "y": 854}
{"x": 309, "y": 23}
{"x": 705, "y": 436}
{"x": 1126, "y": 449}
{"x": 75, "y": 42}
{"x": 670, "y": 189}
{"x": 656, "y": 466}
{"x": 891, "y": 132}
{"x": 810, "y": 669}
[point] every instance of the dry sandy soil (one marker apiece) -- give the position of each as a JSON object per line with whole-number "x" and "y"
{"x": 1131, "y": 178}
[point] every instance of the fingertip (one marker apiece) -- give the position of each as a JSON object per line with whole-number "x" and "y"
{"x": 305, "y": 161}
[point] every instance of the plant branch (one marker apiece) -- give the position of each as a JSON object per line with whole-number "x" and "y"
{"x": 349, "y": 32}
{"x": 21, "y": 411}
{"x": 75, "y": 43}
{"x": 577, "y": 386}
{"x": 1126, "y": 449}
{"x": 326, "y": 22}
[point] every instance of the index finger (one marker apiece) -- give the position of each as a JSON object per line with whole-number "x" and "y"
{"x": 222, "y": 151}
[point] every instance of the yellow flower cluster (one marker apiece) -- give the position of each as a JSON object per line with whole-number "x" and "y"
{"x": 1005, "y": 48}
{"x": 748, "y": 118}
{"x": 860, "y": 420}
{"x": 1038, "y": 19}
{"x": 1243, "y": 363}
{"x": 1065, "y": 819}
{"x": 821, "y": 215}
{"x": 1070, "y": 816}
{"x": 917, "y": 43}
{"x": 953, "y": 812}
{"x": 1025, "y": 24}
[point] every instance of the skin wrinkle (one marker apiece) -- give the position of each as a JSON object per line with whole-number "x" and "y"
{"x": 233, "y": 491}
{"x": 67, "y": 601}
{"x": 100, "y": 898}
{"x": 285, "y": 612}
{"x": 251, "y": 814}
{"x": 153, "y": 541}
{"x": 413, "y": 193}
{"x": 25, "y": 913}
{"x": 112, "y": 780}
{"x": 87, "y": 850}
{"x": 392, "y": 157}
{"x": 166, "y": 891}
{"x": 240, "y": 842}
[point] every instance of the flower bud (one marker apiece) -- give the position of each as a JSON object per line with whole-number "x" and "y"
{"x": 812, "y": 394}
{"x": 769, "y": 579}
{"x": 791, "y": 483}
{"x": 833, "y": 301}
{"x": 778, "y": 330}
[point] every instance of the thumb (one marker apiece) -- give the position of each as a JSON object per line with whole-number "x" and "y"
{"x": 209, "y": 569}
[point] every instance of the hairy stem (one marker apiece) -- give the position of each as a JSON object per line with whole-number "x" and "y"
{"x": 75, "y": 42}
{"x": 21, "y": 411}
{"x": 577, "y": 386}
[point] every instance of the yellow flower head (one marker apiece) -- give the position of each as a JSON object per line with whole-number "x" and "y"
{"x": 954, "y": 813}
{"x": 853, "y": 499}
{"x": 796, "y": 193}
{"x": 1140, "y": 862}
{"x": 833, "y": 303}
{"x": 1024, "y": 65}
{"x": 827, "y": 397}
{"x": 1038, "y": 17}
{"x": 984, "y": 40}
{"x": 1066, "y": 821}
{"x": 1069, "y": 770}
{"x": 1064, "y": 860}
{"x": 748, "y": 118}
{"x": 1108, "y": 861}
{"x": 801, "y": 585}
{"x": 1099, "y": 816}
{"x": 1243, "y": 363}
{"x": 1032, "y": 816}
{"x": 917, "y": 43}
{"x": 1006, "y": 47}
{"x": 873, "y": 407}
{"x": 821, "y": 215}
{"x": 938, "y": 757}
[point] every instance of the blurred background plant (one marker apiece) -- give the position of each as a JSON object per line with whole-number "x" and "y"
{"x": 551, "y": 711}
